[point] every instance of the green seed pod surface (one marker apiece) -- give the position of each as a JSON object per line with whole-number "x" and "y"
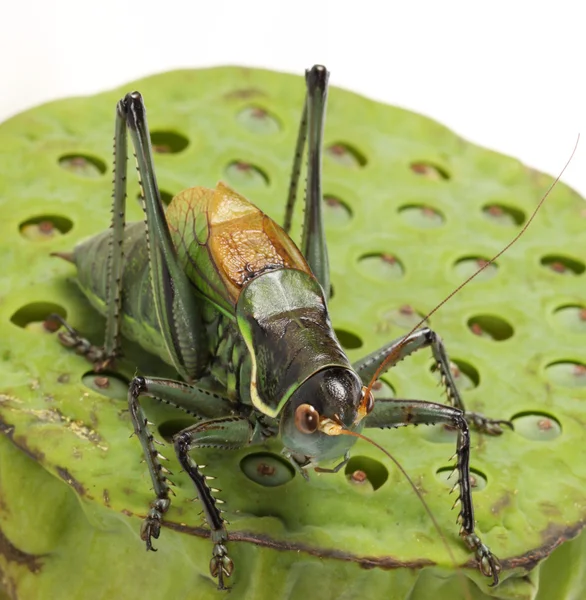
{"x": 411, "y": 209}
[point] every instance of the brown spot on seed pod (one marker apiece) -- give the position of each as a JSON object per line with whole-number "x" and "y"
{"x": 162, "y": 148}
{"x": 265, "y": 470}
{"x": 558, "y": 267}
{"x": 391, "y": 259}
{"x": 50, "y": 325}
{"x": 102, "y": 382}
{"x": 358, "y": 477}
{"x": 495, "y": 211}
{"x": 476, "y": 329}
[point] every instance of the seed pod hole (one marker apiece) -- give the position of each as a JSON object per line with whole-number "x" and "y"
{"x": 166, "y": 197}
{"x": 468, "y": 265}
{"x": 44, "y": 227}
{"x": 501, "y": 214}
{"x": 381, "y": 265}
{"x": 349, "y": 340}
{"x": 404, "y": 317}
{"x": 381, "y": 389}
{"x": 169, "y": 428}
{"x": 571, "y": 317}
{"x": 83, "y": 165}
{"x": 336, "y": 212}
{"x": 258, "y": 120}
{"x": 366, "y": 473}
{"x": 168, "y": 142}
{"x": 429, "y": 170}
{"x": 440, "y": 434}
{"x": 477, "y": 478}
{"x": 465, "y": 375}
{"x": 537, "y": 426}
{"x": 240, "y": 172}
{"x": 107, "y": 384}
{"x": 421, "y": 216}
{"x": 34, "y": 317}
{"x": 490, "y": 327}
{"x": 566, "y": 373}
{"x": 267, "y": 469}
{"x": 346, "y": 155}
{"x": 563, "y": 265}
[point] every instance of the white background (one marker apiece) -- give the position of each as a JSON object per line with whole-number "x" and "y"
{"x": 507, "y": 75}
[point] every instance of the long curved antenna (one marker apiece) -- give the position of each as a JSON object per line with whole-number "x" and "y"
{"x": 343, "y": 431}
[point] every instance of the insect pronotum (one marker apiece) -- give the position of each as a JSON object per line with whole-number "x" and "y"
{"x": 218, "y": 290}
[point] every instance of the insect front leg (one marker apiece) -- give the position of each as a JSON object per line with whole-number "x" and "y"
{"x": 398, "y": 413}
{"x": 194, "y": 400}
{"x": 228, "y": 433}
{"x": 422, "y": 338}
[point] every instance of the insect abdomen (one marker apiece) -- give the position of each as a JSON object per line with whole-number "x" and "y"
{"x": 139, "y": 321}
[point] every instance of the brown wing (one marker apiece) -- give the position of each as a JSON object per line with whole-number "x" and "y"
{"x": 224, "y": 241}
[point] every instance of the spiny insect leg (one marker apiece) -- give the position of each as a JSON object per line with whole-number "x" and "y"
{"x": 407, "y": 345}
{"x": 71, "y": 338}
{"x": 398, "y": 413}
{"x": 177, "y": 308}
{"x": 313, "y": 242}
{"x": 229, "y": 433}
{"x": 193, "y": 399}
{"x": 151, "y": 526}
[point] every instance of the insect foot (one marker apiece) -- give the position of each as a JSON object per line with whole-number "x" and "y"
{"x": 488, "y": 563}
{"x": 70, "y": 338}
{"x": 221, "y": 564}
{"x": 151, "y": 526}
{"x": 484, "y": 424}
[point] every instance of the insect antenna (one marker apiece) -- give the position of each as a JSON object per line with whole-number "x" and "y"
{"x": 463, "y": 581}
{"x": 396, "y": 352}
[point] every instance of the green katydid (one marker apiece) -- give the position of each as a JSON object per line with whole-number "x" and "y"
{"x": 218, "y": 290}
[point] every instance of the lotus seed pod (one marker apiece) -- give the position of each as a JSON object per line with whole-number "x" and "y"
{"x": 411, "y": 209}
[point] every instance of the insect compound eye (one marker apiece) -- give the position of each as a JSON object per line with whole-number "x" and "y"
{"x": 367, "y": 401}
{"x": 306, "y": 418}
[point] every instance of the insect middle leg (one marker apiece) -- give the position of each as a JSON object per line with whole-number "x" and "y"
{"x": 397, "y": 413}
{"x": 402, "y": 347}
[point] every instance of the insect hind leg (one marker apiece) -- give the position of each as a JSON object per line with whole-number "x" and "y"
{"x": 422, "y": 338}
{"x": 101, "y": 357}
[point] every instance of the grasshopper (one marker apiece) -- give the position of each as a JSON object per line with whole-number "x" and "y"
{"x": 218, "y": 290}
